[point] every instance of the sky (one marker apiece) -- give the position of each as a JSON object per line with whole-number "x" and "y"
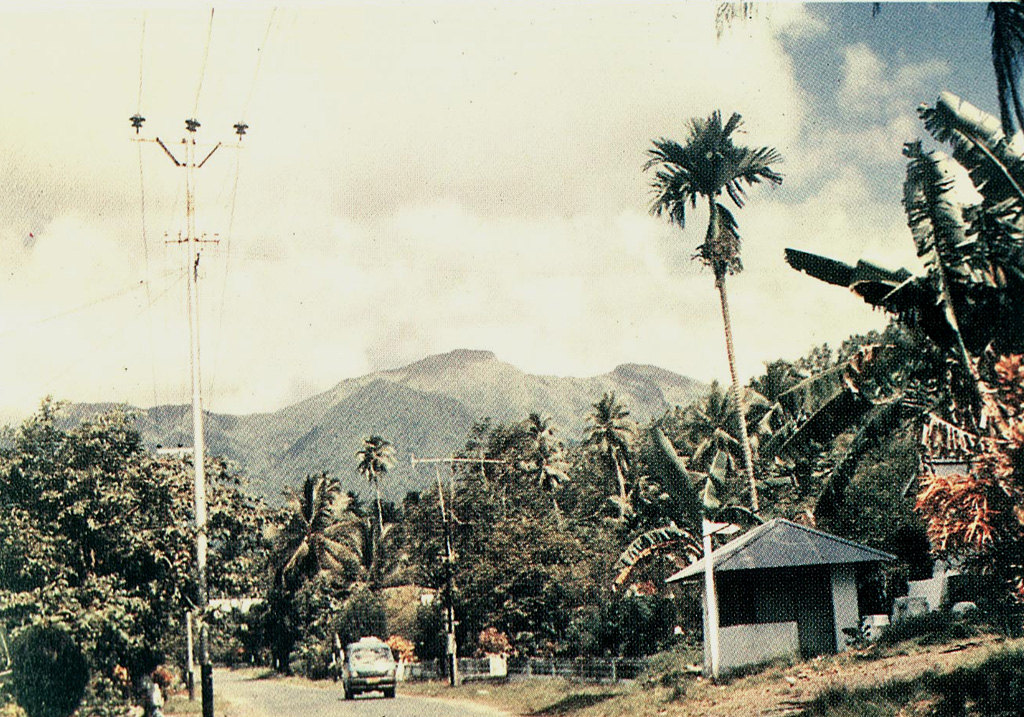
{"x": 422, "y": 177}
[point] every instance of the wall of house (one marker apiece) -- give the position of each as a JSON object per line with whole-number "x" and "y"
{"x": 742, "y": 645}
{"x": 844, "y": 602}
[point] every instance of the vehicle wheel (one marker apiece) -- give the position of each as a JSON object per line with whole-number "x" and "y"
{"x": 389, "y": 692}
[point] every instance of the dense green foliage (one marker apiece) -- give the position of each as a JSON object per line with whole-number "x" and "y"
{"x": 99, "y": 539}
{"x": 49, "y": 672}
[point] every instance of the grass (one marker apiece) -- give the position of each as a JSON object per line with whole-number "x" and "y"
{"x": 991, "y": 687}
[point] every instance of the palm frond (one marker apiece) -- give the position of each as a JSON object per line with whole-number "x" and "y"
{"x": 1007, "y": 52}
{"x": 660, "y": 540}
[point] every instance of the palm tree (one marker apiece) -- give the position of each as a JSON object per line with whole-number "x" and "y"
{"x": 545, "y": 458}
{"x": 707, "y": 164}
{"x": 314, "y": 539}
{"x": 611, "y": 434}
{"x": 375, "y": 458}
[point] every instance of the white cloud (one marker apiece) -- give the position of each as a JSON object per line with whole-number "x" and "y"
{"x": 417, "y": 178}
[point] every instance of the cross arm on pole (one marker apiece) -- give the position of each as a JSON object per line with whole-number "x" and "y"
{"x": 215, "y": 147}
{"x": 169, "y": 153}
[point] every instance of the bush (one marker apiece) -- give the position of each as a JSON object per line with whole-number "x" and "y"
{"x": 49, "y": 671}
{"x": 494, "y": 642}
{"x": 995, "y": 687}
{"x": 429, "y": 636}
{"x": 931, "y": 628}
{"x": 404, "y": 649}
{"x": 629, "y": 627}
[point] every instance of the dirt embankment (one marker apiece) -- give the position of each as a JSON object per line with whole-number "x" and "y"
{"x": 782, "y": 691}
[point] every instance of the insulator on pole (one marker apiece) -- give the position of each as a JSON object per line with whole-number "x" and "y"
{"x": 137, "y": 121}
{"x": 240, "y": 129}
{"x": 192, "y": 124}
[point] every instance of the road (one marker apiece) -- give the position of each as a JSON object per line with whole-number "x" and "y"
{"x": 250, "y": 696}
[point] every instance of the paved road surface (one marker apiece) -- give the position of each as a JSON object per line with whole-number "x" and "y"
{"x": 250, "y": 697}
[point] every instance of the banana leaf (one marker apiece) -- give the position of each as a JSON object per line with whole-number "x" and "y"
{"x": 996, "y": 166}
{"x": 669, "y": 470}
{"x": 668, "y": 539}
{"x": 880, "y": 422}
{"x": 814, "y": 411}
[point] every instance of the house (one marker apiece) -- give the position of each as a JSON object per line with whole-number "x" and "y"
{"x": 784, "y": 589}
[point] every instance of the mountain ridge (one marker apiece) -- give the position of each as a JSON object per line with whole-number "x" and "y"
{"x": 424, "y": 408}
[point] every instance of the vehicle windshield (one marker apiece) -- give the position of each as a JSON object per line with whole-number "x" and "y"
{"x": 371, "y": 654}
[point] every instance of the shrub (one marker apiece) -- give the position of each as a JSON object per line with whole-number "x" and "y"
{"x": 49, "y": 671}
{"x": 404, "y": 649}
{"x": 494, "y": 642}
{"x": 995, "y": 687}
{"x": 931, "y": 628}
{"x": 429, "y": 632}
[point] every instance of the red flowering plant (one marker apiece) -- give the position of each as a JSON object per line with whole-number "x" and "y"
{"x": 980, "y": 513}
{"x": 494, "y": 642}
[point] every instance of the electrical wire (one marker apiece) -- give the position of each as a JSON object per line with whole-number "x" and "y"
{"x": 259, "y": 60}
{"x": 142, "y": 204}
{"x": 145, "y": 260}
{"x": 260, "y": 51}
{"x": 202, "y": 67}
{"x": 142, "y": 55}
{"x": 103, "y": 339}
{"x": 124, "y": 291}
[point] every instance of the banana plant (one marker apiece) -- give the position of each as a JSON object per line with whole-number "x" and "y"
{"x": 680, "y": 540}
{"x": 966, "y": 302}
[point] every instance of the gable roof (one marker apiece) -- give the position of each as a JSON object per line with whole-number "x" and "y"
{"x": 782, "y": 543}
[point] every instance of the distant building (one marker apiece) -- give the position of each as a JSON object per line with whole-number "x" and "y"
{"x": 784, "y": 590}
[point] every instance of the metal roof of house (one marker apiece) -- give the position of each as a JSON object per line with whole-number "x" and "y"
{"x": 781, "y": 543}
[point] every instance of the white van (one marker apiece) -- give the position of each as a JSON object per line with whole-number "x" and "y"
{"x": 369, "y": 665}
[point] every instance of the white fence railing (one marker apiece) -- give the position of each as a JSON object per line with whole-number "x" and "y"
{"x": 590, "y": 669}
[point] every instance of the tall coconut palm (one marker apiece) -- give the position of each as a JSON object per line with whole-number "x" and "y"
{"x": 611, "y": 434}
{"x": 545, "y": 461}
{"x": 375, "y": 458}
{"x": 707, "y": 164}
{"x": 315, "y": 538}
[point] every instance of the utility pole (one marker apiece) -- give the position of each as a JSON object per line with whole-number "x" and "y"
{"x": 190, "y": 165}
{"x": 711, "y": 630}
{"x": 451, "y": 646}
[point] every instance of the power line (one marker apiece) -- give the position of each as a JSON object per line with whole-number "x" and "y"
{"x": 103, "y": 339}
{"x": 202, "y": 67}
{"x": 259, "y": 59}
{"x": 142, "y": 55}
{"x": 134, "y": 286}
{"x": 145, "y": 253}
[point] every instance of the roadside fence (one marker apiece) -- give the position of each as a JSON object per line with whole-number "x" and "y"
{"x": 582, "y": 669}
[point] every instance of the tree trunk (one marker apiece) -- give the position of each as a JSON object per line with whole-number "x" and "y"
{"x": 380, "y": 513}
{"x": 622, "y": 485}
{"x": 737, "y": 394}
